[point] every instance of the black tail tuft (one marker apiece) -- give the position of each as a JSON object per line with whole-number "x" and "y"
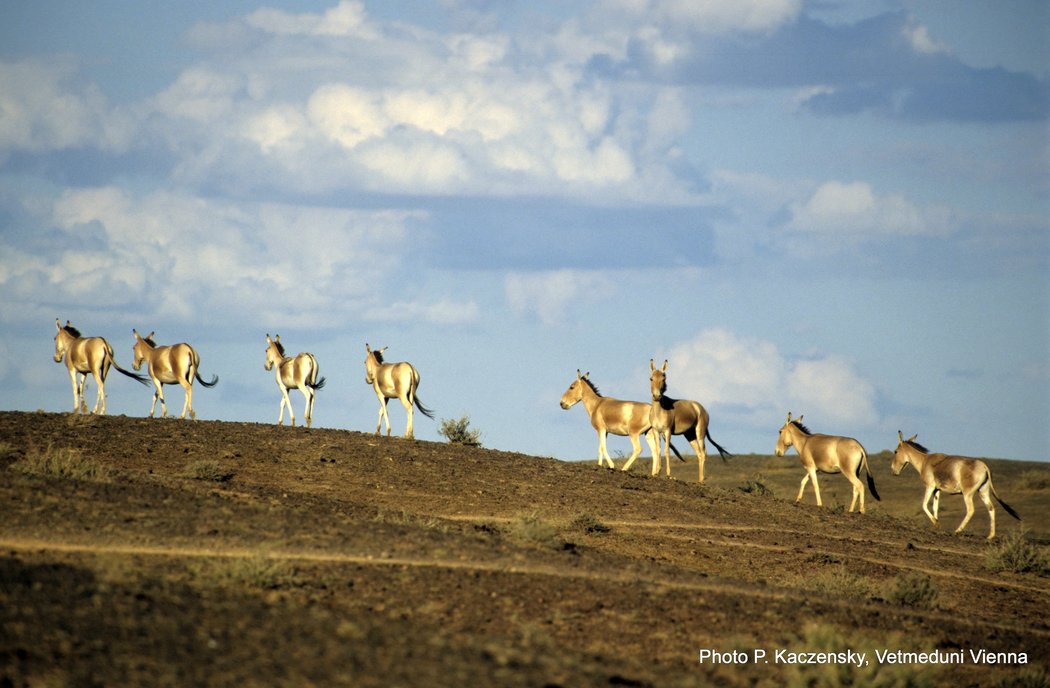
{"x": 141, "y": 379}
{"x": 1009, "y": 509}
{"x": 721, "y": 452}
{"x": 319, "y": 384}
{"x": 214, "y": 380}
{"x": 871, "y": 487}
{"x": 424, "y": 410}
{"x": 675, "y": 450}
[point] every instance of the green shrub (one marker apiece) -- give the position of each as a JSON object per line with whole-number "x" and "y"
{"x": 837, "y": 581}
{"x": 206, "y": 469}
{"x": 531, "y": 529}
{"x": 914, "y": 590}
{"x": 459, "y": 432}
{"x": 1015, "y": 553}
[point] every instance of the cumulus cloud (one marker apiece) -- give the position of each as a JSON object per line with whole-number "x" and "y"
{"x": 719, "y": 367}
{"x": 549, "y": 294}
{"x": 250, "y": 261}
{"x": 854, "y": 208}
{"x": 45, "y": 107}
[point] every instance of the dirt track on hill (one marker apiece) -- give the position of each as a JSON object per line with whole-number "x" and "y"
{"x": 214, "y": 553}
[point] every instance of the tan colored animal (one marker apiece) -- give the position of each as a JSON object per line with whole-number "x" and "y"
{"x": 84, "y": 356}
{"x": 169, "y": 365}
{"x": 393, "y": 381}
{"x": 608, "y": 415}
{"x": 951, "y": 474}
{"x": 295, "y": 372}
{"x": 827, "y": 454}
{"x": 678, "y": 417}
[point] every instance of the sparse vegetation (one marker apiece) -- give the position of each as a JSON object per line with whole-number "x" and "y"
{"x": 404, "y": 518}
{"x": 208, "y": 470}
{"x": 458, "y": 431}
{"x": 830, "y": 639}
{"x": 531, "y": 528}
{"x": 755, "y": 484}
{"x": 63, "y": 462}
{"x": 1013, "y": 552}
{"x": 914, "y": 590}
{"x": 256, "y": 571}
{"x": 588, "y": 523}
{"x": 836, "y": 581}
{"x": 1035, "y": 480}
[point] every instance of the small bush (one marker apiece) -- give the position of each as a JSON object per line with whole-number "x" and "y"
{"x": 1015, "y": 553}
{"x": 406, "y": 519}
{"x": 257, "y": 572}
{"x": 531, "y": 529}
{"x": 837, "y": 581}
{"x": 914, "y": 590}
{"x": 459, "y": 432}
{"x": 588, "y": 523}
{"x": 63, "y": 462}
{"x": 207, "y": 469}
{"x": 755, "y": 485}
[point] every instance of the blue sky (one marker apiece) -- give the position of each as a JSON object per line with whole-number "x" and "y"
{"x": 834, "y": 208}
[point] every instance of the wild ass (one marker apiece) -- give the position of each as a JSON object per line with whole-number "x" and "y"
{"x": 827, "y": 454}
{"x": 84, "y": 356}
{"x": 678, "y": 417}
{"x": 951, "y": 474}
{"x": 608, "y": 415}
{"x": 169, "y": 365}
{"x": 393, "y": 381}
{"x": 295, "y": 372}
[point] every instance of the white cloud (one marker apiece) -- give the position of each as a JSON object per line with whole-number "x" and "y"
{"x": 47, "y": 107}
{"x": 549, "y": 295}
{"x": 348, "y": 18}
{"x": 710, "y": 16}
{"x": 720, "y": 367}
{"x": 918, "y": 36}
{"x": 201, "y": 94}
{"x": 855, "y": 209}
{"x": 294, "y": 263}
{"x": 830, "y": 388}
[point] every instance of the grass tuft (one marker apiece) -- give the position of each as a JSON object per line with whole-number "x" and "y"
{"x": 588, "y": 523}
{"x": 531, "y": 529}
{"x": 257, "y": 572}
{"x": 836, "y": 581}
{"x": 63, "y": 462}
{"x": 914, "y": 590}
{"x": 1013, "y": 552}
{"x": 209, "y": 470}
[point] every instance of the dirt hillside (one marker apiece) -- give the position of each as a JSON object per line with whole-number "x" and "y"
{"x": 165, "y": 552}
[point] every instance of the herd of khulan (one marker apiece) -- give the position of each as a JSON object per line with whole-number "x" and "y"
{"x": 657, "y": 420}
